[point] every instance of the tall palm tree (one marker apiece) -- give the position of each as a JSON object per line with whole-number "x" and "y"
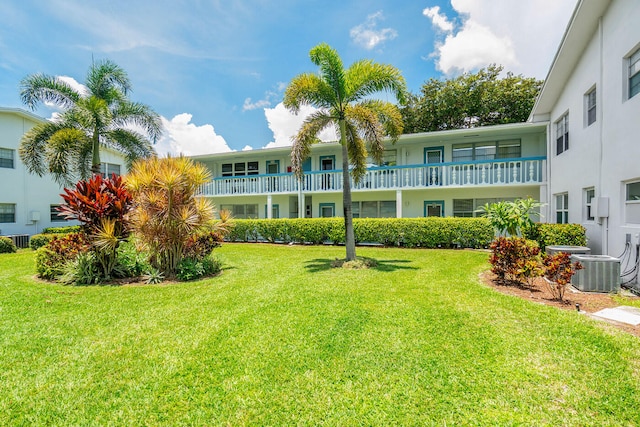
{"x": 343, "y": 99}
{"x": 100, "y": 116}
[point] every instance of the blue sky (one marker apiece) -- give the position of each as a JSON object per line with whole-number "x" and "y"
{"x": 216, "y": 70}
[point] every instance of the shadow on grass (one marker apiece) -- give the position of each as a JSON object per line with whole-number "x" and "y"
{"x": 386, "y": 265}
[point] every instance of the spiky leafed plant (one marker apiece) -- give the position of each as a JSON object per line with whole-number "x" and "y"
{"x": 101, "y": 206}
{"x": 167, "y": 211}
{"x": 343, "y": 99}
{"x": 100, "y": 116}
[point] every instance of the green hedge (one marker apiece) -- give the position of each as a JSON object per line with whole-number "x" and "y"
{"x": 39, "y": 240}
{"x": 409, "y": 232}
{"x": 61, "y": 230}
{"x": 557, "y": 234}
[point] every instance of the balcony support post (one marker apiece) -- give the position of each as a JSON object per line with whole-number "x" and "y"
{"x": 398, "y": 203}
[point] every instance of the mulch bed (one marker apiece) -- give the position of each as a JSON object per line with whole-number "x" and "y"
{"x": 589, "y": 302}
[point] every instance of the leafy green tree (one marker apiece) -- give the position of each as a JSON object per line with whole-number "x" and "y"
{"x": 102, "y": 116}
{"x": 471, "y": 100}
{"x": 343, "y": 99}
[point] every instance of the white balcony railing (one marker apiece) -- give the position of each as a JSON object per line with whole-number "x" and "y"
{"x": 520, "y": 171}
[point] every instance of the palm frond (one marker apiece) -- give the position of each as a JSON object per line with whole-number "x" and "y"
{"x": 365, "y": 77}
{"x": 61, "y": 151}
{"x": 43, "y": 88}
{"x": 105, "y": 75}
{"x": 331, "y": 68}
{"x": 308, "y": 89}
{"x": 32, "y": 146}
{"x": 307, "y": 136}
{"x": 133, "y": 113}
{"x": 356, "y": 150}
{"x": 132, "y": 144}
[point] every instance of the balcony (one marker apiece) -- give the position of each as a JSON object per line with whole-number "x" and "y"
{"x": 520, "y": 171}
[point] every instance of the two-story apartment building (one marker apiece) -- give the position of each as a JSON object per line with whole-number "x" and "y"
{"x": 591, "y": 98}
{"x": 448, "y": 173}
{"x": 28, "y": 202}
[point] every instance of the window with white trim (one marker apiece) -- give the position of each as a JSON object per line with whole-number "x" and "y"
{"x": 6, "y": 158}
{"x": 590, "y": 106}
{"x": 634, "y": 73}
{"x": 562, "y": 134}
{"x": 562, "y": 208}
{"x": 632, "y": 202}
{"x": 490, "y": 150}
{"x": 7, "y": 212}
{"x": 589, "y": 195}
{"x": 54, "y": 215}
{"x": 240, "y": 169}
{"x": 107, "y": 169}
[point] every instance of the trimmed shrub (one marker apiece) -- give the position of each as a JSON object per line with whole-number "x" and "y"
{"x": 39, "y": 240}
{"x": 557, "y": 234}
{"x": 409, "y": 232}
{"x": 61, "y": 230}
{"x": 192, "y": 269}
{"x": 515, "y": 258}
{"x": 7, "y": 246}
{"x": 51, "y": 258}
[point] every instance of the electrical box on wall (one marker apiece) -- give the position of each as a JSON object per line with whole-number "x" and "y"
{"x": 35, "y": 216}
{"x": 601, "y": 205}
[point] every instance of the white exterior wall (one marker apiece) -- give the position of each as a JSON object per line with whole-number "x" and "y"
{"x": 31, "y": 194}
{"x": 606, "y": 154}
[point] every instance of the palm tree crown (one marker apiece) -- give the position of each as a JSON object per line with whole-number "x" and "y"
{"x": 100, "y": 116}
{"x": 343, "y": 99}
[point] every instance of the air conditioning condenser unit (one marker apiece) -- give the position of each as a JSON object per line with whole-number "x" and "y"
{"x": 599, "y": 273}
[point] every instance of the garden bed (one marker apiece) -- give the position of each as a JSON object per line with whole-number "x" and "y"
{"x": 589, "y": 302}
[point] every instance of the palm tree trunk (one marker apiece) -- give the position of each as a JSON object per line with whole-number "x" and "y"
{"x": 95, "y": 160}
{"x": 350, "y": 240}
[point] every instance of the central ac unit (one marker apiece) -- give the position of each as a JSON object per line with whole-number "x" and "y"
{"x": 599, "y": 273}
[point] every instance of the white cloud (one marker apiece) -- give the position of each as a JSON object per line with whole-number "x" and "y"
{"x": 79, "y": 87}
{"x": 368, "y": 36}
{"x": 285, "y": 125}
{"x": 521, "y": 35}
{"x": 438, "y": 19}
{"x": 247, "y": 148}
{"x": 183, "y": 137}
{"x": 250, "y": 105}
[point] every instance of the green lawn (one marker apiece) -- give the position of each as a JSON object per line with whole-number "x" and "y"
{"x": 282, "y": 339}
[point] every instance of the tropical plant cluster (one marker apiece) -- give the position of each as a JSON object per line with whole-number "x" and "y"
{"x": 519, "y": 260}
{"x": 429, "y": 232}
{"x": 148, "y": 224}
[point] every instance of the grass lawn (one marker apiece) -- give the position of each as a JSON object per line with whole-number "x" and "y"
{"x": 282, "y": 339}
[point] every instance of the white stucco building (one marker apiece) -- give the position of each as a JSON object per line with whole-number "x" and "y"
{"x": 27, "y": 202}
{"x": 591, "y": 100}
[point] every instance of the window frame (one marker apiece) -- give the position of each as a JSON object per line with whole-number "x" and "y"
{"x": 7, "y": 217}
{"x": 492, "y": 149}
{"x": 591, "y": 106}
{"x": 561, "y": 208}
{"x": 356, "y": 208}
{"x": 54, "y": 215}
{"x": 106, "y": 169}
{"x": 433, "y": 203}
{"x": 331, "y": 206}
{"x": 562, "y": 134}
{"x": 589, "y": 196}
{"x": 633, "y": 73}
{"x": 7, "y": 162}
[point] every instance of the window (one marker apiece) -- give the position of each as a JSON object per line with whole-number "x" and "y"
{"x": 241, "y": 211}
{"x": 589, "y": 194}
{"x": 562, "y": 208}
{"x": 240, "y": 169}
{"x": 634, "y": 74}
{"x": 492, "y": 150}
{"x": 590, "y": 106}
{"x": 6, "y": 158}
{"x": 54, "y": 215}
{"x": 327, "y": 210}
{"x": 275, "y": 211}
{"x": 106, "y": 169}
{"x": 7, "y": 212}
{"x": 468, "y": 208}
{"x": 562, "y": 134}
{"x": 389, "y": 158}
{"x": 633, "y": 191}
{"x": 375, "y": 209}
